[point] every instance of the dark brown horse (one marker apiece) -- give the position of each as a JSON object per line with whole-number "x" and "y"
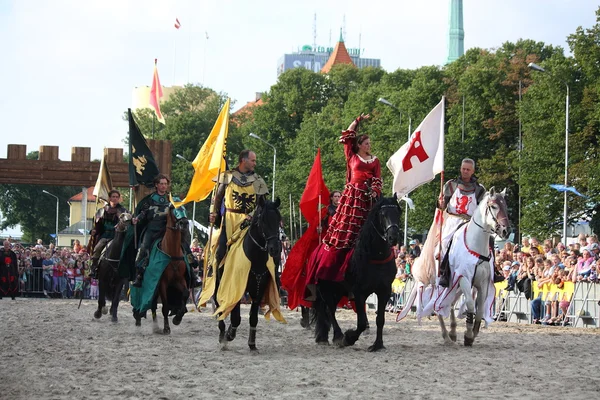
{"x": 172, "y": 287}
{"x": 110, "y": 284}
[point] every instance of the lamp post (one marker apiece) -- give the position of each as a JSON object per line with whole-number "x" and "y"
{"x": 56, "y": 197}
{"x": 255, "y": 136}
{"x": 387, "y": 103}
{"x": 537, "y": 68}
{"x": 194, "y": 206}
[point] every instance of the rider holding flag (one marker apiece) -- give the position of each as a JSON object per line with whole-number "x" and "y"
{"x": 459, "y": 198}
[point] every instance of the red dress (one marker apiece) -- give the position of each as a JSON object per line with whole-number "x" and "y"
{"x": 330, "y": 260}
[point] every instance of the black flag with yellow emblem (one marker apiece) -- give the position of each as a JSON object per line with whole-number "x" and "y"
{"x": 142, "y": 167}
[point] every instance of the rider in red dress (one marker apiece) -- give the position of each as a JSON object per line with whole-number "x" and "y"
{"x": 330, "y": 260}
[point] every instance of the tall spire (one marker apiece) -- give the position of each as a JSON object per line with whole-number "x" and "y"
{"x": 456, "y": 33}
{"x": 339, "y": 55}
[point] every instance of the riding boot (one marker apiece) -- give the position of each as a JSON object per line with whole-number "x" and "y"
{"x": 310, "y": 292}
{"x": 139, "y": 278}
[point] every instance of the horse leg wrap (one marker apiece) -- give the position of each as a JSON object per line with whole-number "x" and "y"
{"x": 231, "y": 332}
{"x": 469, "y": 318}
{"x": 252, "y": 337}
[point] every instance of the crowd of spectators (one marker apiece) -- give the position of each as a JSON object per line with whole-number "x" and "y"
{"x": 534, "y": 263}
{"x": 54, "y": 272}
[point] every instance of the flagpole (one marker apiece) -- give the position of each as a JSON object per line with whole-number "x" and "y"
{"x": 174, "y": 57}
{"x": 291, "y": 222}
{"x": 319, "y": 214}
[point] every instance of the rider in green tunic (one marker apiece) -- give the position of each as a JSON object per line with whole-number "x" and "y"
{"x": 150, "y": 220}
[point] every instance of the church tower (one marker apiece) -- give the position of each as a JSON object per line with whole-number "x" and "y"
{"x": 456, "y": 33}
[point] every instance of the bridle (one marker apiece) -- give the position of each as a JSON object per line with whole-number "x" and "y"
{"x": 258, "y": 218}
{"x": 488, "y": 210}
{"x": 380, "y": 234}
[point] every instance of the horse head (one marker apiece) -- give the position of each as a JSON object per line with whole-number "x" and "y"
{"x": 176, "y": 218}
{"x": 496, "y": 214}
{"x": 124, "y": 222}
{"x": 388, "y": 216}
{"x": 267, "y": 220}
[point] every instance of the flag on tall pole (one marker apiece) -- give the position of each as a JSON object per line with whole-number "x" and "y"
{"x": 103, "y": 182}
{"x": 209, "y": 161}
{"x": 315, "y": 195}
{"x": 422, "y": 157}
{"x": 142, "y": 167}
{"x": 156, "y": 94}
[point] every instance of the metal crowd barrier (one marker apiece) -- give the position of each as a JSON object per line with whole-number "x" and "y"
{"x": 583, "y": 300}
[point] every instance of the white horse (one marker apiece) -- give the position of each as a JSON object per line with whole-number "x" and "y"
{"x": 470, "y": 270}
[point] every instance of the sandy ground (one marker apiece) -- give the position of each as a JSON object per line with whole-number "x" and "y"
{"x": 52, "y": 350}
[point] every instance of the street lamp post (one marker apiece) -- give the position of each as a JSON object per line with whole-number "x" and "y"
{"x": 387, "y": 103}
{"x": 194, "y": 206}
{"x": 56, "y": 230}
{"x": 536, "y": 67}
{"x": 255, "y": 136}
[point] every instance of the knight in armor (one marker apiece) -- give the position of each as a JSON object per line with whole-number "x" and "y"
{"x": 236, "y": 198}
{"x": 104, "y": 227}
{"x": 151, "y": 219}
{"x": 459, "y": 199}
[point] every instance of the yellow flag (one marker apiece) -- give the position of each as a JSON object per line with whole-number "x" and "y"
{"x": 209, "y": 161}
{"x": 103, "y": 182}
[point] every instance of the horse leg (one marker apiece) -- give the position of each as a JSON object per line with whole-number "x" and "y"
{"x": 253, "y": 323}
{"x": 101, "y": 298}
{"x": 262, "y": 283}
{"x": 165, "y": 306}
{"x": 322, "y": 324}
{"x": 452, "y": 334}
{"x": 352, "y": 335}
{"x": 154, "y": 307}
{"x": 235, "y": 319}
{"x": 181, "y": 285}
{"x": 382, "y": 298}
{"x": 114, "y": 306}
{"x": 482, "y": 295}
{"x": 304, "y": 321}
{"x": 465, "y": 287}
{"x": 333, "y": 299}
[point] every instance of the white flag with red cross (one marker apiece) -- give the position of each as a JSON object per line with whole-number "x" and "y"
{"x": 422, "y": 157}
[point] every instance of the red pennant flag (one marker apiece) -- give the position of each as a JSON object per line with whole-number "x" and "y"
{"x": 156, "y": 94}
{"x": 177, "y": 23}
{"x": 315, "y": 194}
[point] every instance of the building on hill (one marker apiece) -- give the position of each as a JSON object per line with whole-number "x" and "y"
{"x": 79, "y": 226}
{"x": 317, "y": 58}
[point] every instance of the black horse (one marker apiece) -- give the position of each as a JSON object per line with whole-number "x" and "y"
{"x": 260, "y": 242}
{"x": 110, "y": 284}
{"x": 372, "y": 270}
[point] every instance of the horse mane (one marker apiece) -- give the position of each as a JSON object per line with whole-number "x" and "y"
{"x": 364, "y": 245}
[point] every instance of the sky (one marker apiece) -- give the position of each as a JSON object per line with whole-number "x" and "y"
{"x": 68, "y": 67}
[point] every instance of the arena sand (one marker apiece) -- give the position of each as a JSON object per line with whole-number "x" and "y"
{"x": 52, "y": 350}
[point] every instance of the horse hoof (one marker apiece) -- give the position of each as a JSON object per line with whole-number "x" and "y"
{"x": 376, "y": 347}
{"x": 167, "y": 331}
{"x": 339, "y": 342}
{"x": 323, "y": 342}
{"x": 253, "y": 349}
{"x": 104, "y": 310}
{"x": 177, "y": 320}
{"x": 138, "y": 322}
{"x": 97, "y": 314}
{"x": 453, "y": 337}
{"x": 114, "y": 319}
{"x": 469, "y": 341}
